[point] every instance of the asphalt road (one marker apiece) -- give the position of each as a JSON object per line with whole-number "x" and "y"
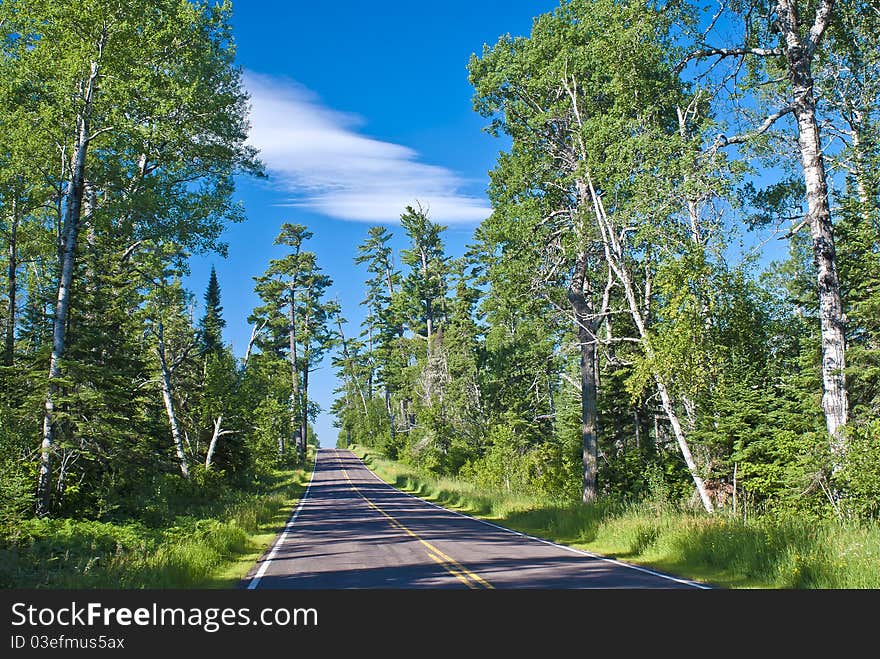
{"x": 352, "y": 530}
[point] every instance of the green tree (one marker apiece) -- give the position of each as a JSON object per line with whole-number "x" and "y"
{"x": 593, "y": 79}
{"x": 146, "y": 108}
{"x": 383, "y": 329}
{"x": 212, "y": 322}
{"x": 296, "y": 321}
{"x": 782, "y": 44}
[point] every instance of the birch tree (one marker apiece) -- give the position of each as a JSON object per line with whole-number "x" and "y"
{"x": 589, "y": 100}
{"x": 174, "y": 343}
{"x": 146, "y": 111}
{"x": 782, "y": 42}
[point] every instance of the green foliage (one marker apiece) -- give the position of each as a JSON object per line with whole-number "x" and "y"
{"x": 502, "y": 467}
{"x": 295, "y": 323}
{"x": 16, "y": 492}
{"x": 861, "y": 473}
{"x": 593, "y": 97}
{"x": 184, "y": 532}
{"x": 212, "y": 322}
{"x": 608, "y": 254}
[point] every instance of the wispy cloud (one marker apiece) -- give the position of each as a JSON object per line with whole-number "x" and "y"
{"x": 328, "y": 166}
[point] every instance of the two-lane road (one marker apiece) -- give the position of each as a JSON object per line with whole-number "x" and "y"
{"x": 352, "y": 530}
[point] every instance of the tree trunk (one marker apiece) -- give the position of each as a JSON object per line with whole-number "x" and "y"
{"x": 304, "y": 410}
{"x": 250, "y": 346}
{"x": 304, "y": 435}
{"x": 392, "y": 431}
{"x": 799, "y": 54}
{"x": 587, "y": 344}
{"x": 371, "y": 370}
{"x": 294, "y": 374}
{"x": 614, "y": 256}
{"x": 72, "y": 219}
{"x": 213, "y": 445}
{"x": 864, "y": 188}
{"x": 429, "y": 310}
{"x": 168, "y": 399}
{"x": 9, "y": 352}
{"x": 637, "y": 423}
{"x": 665, "y": 398}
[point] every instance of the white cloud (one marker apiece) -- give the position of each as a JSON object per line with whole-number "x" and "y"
{"x": 329, "y": 167}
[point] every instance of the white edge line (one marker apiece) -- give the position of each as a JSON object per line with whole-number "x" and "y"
{"x": 255, "y": 581}
{"x": 546, "y": 542}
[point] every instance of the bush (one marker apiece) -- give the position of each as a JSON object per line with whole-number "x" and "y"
{"x": 17, "y": 498}
{"x": 860, "y": 474}
{"x": 505, "y": 465}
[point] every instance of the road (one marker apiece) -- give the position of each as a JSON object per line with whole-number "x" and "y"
{"x": 352, "y": 530}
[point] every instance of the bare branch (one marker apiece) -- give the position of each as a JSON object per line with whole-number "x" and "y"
{"x": 254, "y": 333}
{"x": 722, "y": 141}
{"x": 574, "y": 383}
{"x": 130, "y": 250}
{"x": 800, "y": 225}
{"x": 101, "y": 131}
{"x": 723, "y": 53}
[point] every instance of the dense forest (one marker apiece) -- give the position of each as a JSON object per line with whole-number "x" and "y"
{"x": 615, "y": 323}
{"x": 614, "y": 327}
{"x": 124, "y": 126}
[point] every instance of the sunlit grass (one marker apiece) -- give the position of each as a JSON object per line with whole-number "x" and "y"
{"x": 214, "y": 549}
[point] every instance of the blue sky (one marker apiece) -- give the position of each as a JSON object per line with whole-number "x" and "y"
{"x": 358, "y": 109}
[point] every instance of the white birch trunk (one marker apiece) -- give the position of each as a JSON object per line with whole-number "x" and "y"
{"x": 168, "y": 400}
{"x": 209, "y": 458}
{"x": 614, "y": 255}
{"x": 861, "y": 175}
{"x": 72, "y": 219}
{"x": 799, "y": 53}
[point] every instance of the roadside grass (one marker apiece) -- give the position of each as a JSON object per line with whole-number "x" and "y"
{"x": 723, "y": 551}
{"x": 212, "y": 546}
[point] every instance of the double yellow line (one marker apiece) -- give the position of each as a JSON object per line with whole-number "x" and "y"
{"x": 456, "y": 569}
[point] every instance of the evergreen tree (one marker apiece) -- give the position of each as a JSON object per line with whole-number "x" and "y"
{"x": 212, "y": 322}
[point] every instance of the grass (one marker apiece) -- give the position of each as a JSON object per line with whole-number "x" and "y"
{"x": 213, "y": 546}
{"x": 724, "y": 551}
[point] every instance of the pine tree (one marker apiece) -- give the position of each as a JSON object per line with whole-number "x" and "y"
{"x": 212, "y": 323}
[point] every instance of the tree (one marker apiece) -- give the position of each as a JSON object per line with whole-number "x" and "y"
{"x": 316, "y": 336}
{"x": 296, "y": 321}
{"x": 144, "y": 104}
{"x": 384, "y": 328}
{"x": 783, "y": 41}
{"x": 175, "y": 342}
{"x": 424, "y": 289}
{"x": 212, "y": 322}
{"x": 279, "y": 286}
{"x": 592, "y": 79}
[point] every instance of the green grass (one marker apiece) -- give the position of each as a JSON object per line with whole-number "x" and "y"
{"x": 212, "y": 547}
{"x": 761, "y": 552}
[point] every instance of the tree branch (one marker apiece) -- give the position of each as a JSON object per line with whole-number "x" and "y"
{"x": 823, "y": 17}
{"x": 723, "y": 53}
{"x": 722, "y": 140}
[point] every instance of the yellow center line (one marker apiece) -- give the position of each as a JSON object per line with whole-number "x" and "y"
{"x": 450, "y": 564}
{"x": 458, "y": 575}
